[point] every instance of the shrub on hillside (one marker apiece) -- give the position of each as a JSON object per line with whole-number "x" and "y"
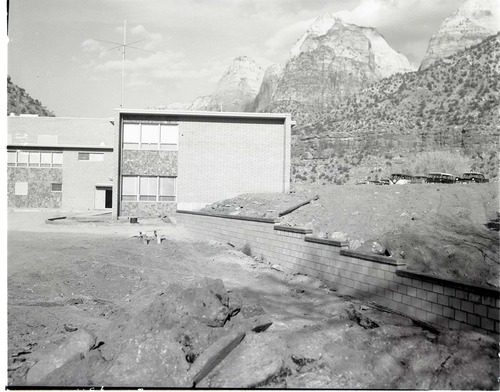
{"x": 438, "y": 161}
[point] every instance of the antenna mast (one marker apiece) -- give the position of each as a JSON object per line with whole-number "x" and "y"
{"x": 123, "y": 59}
{"x": 123, "y": 47}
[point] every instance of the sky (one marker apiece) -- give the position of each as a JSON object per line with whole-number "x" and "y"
{"x": 57, "y": 49}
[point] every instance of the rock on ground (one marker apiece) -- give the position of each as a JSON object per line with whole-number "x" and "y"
{"x": 76, "y": 346}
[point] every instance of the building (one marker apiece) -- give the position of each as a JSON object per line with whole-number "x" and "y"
{"x": 171, "y": 160}
{"x": 145, "y": 162}
{"x": 57, "y": 162}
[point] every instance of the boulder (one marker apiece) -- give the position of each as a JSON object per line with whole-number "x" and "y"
{"x": 339, "y": 236}
{"x": 75, "y": 346}
{"x": 254, "y": 361}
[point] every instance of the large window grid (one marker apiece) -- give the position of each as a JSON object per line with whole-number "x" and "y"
{"x": 148, "y": 188}
{"x": 150, "y": 136}
{"x": 45, "y": 159}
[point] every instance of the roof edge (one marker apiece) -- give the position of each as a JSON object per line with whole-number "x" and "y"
{"x": 193, "y": 113}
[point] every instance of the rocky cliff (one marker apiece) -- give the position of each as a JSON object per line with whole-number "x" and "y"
{"x": 235, "y": 91}
{"x": 331, "y": 61}
{"x": 452, "y": 106}
{"x": 267, "y": 88}
{"x": 20, "y": 102}
{"x": 239, "y": 85}
{"x": 469, "y": 25}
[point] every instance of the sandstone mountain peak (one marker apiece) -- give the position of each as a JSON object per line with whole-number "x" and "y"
{"x": 467, "y": 26}
{"x": 331, "y": 60}
{"x": 235, "y": 90}
{"x": 239, "y": 85}
{"x": 347, "y": 40}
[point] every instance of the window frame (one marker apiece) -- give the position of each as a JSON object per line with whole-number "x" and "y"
{"x": 41, "y": 163}
{"x": 54, "y": 154}
{"x": 165, "y": 196}
{"x": 82, "y": 155}
{"x": 22, "y": 153}
{"x": 91, "y": 156}
{"x": 11, "y": 154}
{"x": 146, "y": 196}
{"x": 57, "y": 190}
{"x": 142, "y": 143}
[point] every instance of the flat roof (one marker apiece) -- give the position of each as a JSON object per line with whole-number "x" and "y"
{"x": 70, "y": 131}
{"x": 192, "y": 113}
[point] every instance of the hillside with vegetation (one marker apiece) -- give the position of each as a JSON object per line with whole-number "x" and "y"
{"x": 20, "y": 102}
{"x": 451, "y": 107}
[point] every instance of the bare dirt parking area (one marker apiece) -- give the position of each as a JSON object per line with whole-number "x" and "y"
{"x": 90, "y": 305}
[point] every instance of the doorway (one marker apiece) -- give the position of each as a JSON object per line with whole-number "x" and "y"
{"x": 103, "y": 197}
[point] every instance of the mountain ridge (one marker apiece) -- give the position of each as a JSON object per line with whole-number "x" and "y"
{"x": 452, "y": 105}
{"x": 20, "y": 102}
{"x": 471, "y": 23}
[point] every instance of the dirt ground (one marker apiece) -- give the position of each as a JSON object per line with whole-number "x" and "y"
{"x": 152, "y": 314}
{"x": 444, "y": 229}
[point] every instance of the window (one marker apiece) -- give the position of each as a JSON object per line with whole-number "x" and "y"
{"x": 137, "y": 188}
{"x": 131, "y": 136}
{"x": 169, "y": 137}
{"x": 148, "y": 188}
{"x": 56, "y": 187}
{"x": 90, "y": 156}
{"x": 129, "y": 188}
{"x": 150, "y": 136}
{"x": 21, "y": 188}
{"x": 167, "y": 189}
{"x": 97, "y": 156}
{"x": 57, "y": 159}
{"x": 34, "y": 159}
{"x": 11, "y": 158}
{"x": 22, "y": 158}
{"x": 45, "y": 159}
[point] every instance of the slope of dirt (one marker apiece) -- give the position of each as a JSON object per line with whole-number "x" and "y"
{"x": 436, "y": 228}
{"x": 154, "y": 313}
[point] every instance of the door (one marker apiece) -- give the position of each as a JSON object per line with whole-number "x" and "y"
{"x": 103, "y": 197}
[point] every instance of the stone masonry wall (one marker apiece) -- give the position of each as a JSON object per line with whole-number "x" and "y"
{"x": 149, "y": 163}
{"x": 443, "y": 303}
{"x": 39, "y": 182}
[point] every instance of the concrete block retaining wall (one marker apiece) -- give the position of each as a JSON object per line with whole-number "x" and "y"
{"x": 383, "y": 280}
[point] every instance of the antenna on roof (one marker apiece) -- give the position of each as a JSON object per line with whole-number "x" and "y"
{"x": 123, "y": 46}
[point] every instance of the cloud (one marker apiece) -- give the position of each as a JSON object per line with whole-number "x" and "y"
{"x": 286, "y": 37}
{"x": 147, "y": 69}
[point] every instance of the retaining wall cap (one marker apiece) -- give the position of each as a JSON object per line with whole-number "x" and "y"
{"x": 372, "y": 257}
{"x": 477, "y": 289}
{"x": 325, "y": 241}
{"x": 292, "y": 229}
{"x": 236, "y": 217}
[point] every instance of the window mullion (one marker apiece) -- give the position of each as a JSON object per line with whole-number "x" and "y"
{"x": 158, "y": 147}
{"x": 140, "y": 137}
{"x": 158, "y": 187}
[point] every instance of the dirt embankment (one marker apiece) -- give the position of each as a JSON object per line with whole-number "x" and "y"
{"x": 447, "y": 230}
{"x": 101, "y": 308}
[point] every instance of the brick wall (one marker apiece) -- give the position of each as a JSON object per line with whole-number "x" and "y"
{"x": 81, "y": 177}
{"x": 441, "y": 302}
{"x": 223, "y": 158}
